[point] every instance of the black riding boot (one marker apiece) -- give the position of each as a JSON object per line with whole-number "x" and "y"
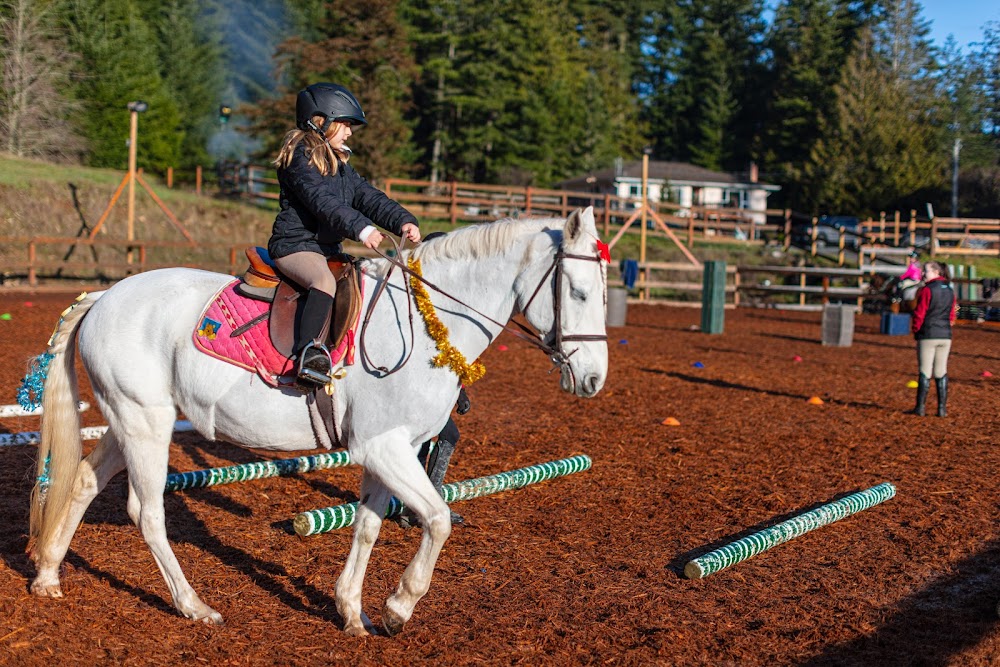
{"x": 942, "y": 392}
{"x": 314, "y": 358}
{"x": 923, "y": 386}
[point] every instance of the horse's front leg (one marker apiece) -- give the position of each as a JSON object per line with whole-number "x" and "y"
{"x": 393, "y": 461}
{"x": 367, "y": 524}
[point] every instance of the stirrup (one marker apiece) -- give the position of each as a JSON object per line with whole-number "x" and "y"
{"x": 315, "y": 368}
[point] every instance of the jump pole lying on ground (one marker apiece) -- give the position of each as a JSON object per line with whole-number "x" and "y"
{"x": 762, "y": 540}
{"x": 87, "y": 433}
{"x": 244, "y": 472}
{"x": 324, "y": 520}
{"x": 18, "y": 411}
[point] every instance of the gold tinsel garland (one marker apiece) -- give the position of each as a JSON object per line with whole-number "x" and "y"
{"x": 447, "y": 355}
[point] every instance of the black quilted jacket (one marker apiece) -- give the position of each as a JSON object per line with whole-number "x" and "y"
{"x": 319, "y": 212}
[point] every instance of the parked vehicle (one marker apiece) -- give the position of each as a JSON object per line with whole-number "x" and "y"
{"x": 828, "y": 229}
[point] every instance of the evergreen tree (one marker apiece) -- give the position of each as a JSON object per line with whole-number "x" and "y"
{"x": 807, "y": 43}
{"x": 118, "y": 63}
{"x": 365, "y": 49}
{"x": 190, "y": 53}
{"x": 878, "y": 149}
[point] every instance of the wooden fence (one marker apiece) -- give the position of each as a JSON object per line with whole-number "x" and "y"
{"x": 470, "y": 202}
{"x": 50, "y": 257}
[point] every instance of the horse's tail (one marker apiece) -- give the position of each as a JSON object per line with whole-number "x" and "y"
{"x": 61, "y": 448}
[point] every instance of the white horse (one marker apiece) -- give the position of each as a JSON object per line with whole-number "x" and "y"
{"x": 135, "y": 342}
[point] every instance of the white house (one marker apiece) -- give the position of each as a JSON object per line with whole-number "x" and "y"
{"x": 680, "y": 183}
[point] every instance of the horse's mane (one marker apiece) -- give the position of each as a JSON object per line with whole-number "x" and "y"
{"x": 483, "y": 240}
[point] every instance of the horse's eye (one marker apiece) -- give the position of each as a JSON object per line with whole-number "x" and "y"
{"x": 578, "y": 295}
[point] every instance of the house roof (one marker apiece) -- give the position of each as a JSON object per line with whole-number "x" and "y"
{"x": 659, "y": 170}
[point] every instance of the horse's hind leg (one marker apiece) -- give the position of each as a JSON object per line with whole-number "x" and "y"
{"x": 367, "y": 524}
{"x": 391, "y": 459}
{"x": 92, "y": 475}
{"x": 147, "y": 453}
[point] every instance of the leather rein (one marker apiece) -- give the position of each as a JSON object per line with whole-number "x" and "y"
{"x": 553, "y": 350}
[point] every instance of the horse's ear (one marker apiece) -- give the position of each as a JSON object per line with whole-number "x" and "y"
{"x": 579, "y": 221}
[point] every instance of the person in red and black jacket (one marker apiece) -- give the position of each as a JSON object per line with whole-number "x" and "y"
{"x": 931, "y": 325}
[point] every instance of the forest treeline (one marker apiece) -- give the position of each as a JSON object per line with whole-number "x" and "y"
{"x": 846, "y": 104}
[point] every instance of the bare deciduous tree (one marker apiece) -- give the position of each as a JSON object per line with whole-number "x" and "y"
{"x": 35, "y": 108}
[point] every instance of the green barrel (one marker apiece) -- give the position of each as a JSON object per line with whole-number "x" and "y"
{"x": 713, "y": 297}
{"x": 245, "y": 472}
{"x": 751, "y": 545}
{"x": 324, "y": 520}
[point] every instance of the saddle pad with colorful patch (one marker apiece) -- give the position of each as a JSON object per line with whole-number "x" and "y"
{"x": 250, "y": 348}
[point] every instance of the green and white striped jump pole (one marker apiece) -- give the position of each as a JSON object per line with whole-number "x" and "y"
{"x": 245, "y": 472}
{"x": 324, "y": 520}
{"x": 762, "y": 540}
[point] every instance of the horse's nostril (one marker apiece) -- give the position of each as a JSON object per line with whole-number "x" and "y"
{"x": 590, "y": 384}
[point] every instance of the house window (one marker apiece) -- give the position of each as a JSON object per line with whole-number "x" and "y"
{"x": 634, "y": 190}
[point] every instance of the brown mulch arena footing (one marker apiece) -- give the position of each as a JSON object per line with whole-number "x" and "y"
{"x": 585, "y": 569}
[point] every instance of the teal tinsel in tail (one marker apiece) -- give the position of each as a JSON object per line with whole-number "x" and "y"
{"x": 29, "y": 396}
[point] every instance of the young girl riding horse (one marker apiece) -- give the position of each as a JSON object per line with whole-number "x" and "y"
{"x": 324, "y": 201}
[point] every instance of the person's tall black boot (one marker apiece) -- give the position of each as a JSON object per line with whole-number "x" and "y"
{"x": 923, "y": 386}
{"x": 314, "y": 323}
{"x": 942, "y": 392}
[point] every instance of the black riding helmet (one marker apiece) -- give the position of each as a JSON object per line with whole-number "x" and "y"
{"x": 332, "y": 101}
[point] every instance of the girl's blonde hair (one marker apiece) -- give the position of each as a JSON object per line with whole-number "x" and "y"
{"x": 321, "y": 154}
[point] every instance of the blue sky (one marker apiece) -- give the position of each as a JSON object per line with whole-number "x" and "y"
{"x": 962, "y": 18}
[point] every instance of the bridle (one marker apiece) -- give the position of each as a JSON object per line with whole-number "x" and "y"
{"x": 551, "y": 345}
{"x": 555, "y": 350}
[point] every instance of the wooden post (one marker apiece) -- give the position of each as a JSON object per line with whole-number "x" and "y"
{"x": 826, "y": 289}
{"x": 934, "y": 233}
{"x": 788, "y": 228}
{"x": 736, "y": 287}
{"x": 453, "y": 203}
{"x": 911, "y": 227}
{"x": 642, "y": 220}
{"x": 691, "y": 229}
{"x": 802, "y": 284}
{"x": 895, "y": 234}
{"x": 133, "y": 137}
{"x": 607, "y": 213}
{"x": 814, "y": 234}
{"x": 197, "y": 180}
{"x": 32, "y": 276}
{"x": 170, "y": 177}
{"x": 840, "y": 248}
{"x": 881, "y": 226}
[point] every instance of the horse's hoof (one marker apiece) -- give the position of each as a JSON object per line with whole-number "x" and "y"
{"x": 215, "y": 618}
{"x": 356, "y": 630}
{"x": 392, "y": 622}
{"x": 46, "y": 590}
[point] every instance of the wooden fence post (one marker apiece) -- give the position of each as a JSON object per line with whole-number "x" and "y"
{"x": 895, "y": 236}
{"x": 788, "y": 228}
{"x": 32, "y": 276}
{"x": 911, "y": 227}
{"x": 197, "y": 180}
{"x": 607, "y": 213}
{"x": 453, "y": 204}
{"x": 934, "y": 233}
{"x": 170, "y": 177}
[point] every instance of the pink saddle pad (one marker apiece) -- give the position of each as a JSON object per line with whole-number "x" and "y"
{"x": 251, "y": 348}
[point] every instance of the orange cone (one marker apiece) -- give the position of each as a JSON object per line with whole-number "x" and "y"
{"x": 815, "y": 400}
{"x": 670, "y": 421}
